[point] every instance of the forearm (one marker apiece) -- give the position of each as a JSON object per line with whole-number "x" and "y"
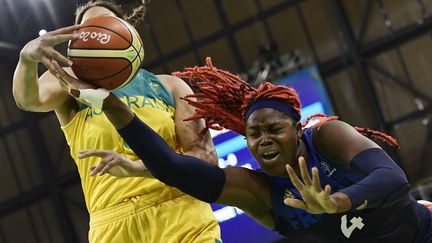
{"x": 343, "y": 202}
{"x": 25, "y": 86}
{"x": 191, "y": 175}
{"x": 117, "y": 112}
{"x": 142, "y": 171}
{"x": 384, "y": 185}
{"x": 205, "y": 153}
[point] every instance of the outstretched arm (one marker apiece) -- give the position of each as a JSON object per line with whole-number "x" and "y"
{"x": 45, "y": 93}
{"x": 191, "y": 175}
{"x": 233, "y": 186}
{"x": 382, "y": 182}
{"x": 114, "y": 164}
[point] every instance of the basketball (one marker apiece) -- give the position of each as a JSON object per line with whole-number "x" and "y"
{"x": 107, "y": 52}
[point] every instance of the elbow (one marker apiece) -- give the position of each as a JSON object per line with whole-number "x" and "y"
{"x": 397, "y": 196}
{"x": 401, "y": 189}
{"x": 24, "y": 106}
{"x": 27, "y": 103}
{"x": 20, "y": 103}
{"x": 401, "y": 182}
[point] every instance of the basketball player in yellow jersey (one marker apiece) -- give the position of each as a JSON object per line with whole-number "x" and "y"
{"x": 129, "y": 209}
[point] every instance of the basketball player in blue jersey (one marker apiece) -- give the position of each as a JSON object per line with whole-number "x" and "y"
{"x": 132, "y": 209}
{"x": 326, "y": 183}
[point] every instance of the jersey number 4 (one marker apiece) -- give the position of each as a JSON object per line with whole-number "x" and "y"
{"x": 356, "y": 223}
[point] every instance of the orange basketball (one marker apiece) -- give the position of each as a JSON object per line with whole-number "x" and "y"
{"x": 107, "y": 52}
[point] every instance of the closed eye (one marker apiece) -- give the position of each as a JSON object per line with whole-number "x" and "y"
{"x": 276, "y": 129}
{"x": 253, "y": 133}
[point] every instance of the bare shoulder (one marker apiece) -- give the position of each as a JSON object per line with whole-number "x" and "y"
{"x": 328, "y": 128}
{"x": 339, "y": 141}
{"x": 173, "y": 83}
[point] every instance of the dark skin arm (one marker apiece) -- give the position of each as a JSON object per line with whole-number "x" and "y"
{"x": 339, "y": 142}
{"x": 250, "y": 191}
{"x": 243, "y": 188}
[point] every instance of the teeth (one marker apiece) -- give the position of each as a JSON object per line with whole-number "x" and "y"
{"x": 270, "y": 153}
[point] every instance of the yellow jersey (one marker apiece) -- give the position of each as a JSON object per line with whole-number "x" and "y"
{"x": 90, "y": 129}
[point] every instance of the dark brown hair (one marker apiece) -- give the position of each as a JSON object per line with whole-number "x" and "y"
{"x": 134, "y": 18}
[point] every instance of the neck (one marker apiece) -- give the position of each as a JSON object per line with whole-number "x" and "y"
{"x": 301, "y": 151}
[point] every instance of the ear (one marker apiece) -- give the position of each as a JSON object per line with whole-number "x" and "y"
{"x": 299, "y": 130}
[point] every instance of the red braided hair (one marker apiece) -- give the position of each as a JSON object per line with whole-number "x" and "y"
{"x": 223, "y": 98}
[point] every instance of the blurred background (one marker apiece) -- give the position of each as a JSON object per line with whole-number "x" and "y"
{"x": 369, "y": 61}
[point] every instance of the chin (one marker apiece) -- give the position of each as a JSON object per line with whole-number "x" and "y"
{"x": 274, "y": 170}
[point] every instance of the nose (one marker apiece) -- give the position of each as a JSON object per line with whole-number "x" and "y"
{"x": 265, "y": 141}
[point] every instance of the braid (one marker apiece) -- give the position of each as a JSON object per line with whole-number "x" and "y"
{"x": 108, "y": 4}
{"x": 223, "y": 98}
{"x": 284, "y": 93}
{"x": 378, "y": 135}
{"x": 220, "y": 97}
{"x": 138, "y": 14}
{"x": 322, "y": 119}
{"x": 370, "y": 133}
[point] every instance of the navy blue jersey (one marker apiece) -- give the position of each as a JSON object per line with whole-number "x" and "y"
{"x": 404, "y": 221}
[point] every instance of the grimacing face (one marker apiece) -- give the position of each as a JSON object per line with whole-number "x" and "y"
{"x": 272, "y": 139}
{"x": 96, "y": 12}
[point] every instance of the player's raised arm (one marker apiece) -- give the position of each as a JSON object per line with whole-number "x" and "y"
{"x": 45, "y": 93}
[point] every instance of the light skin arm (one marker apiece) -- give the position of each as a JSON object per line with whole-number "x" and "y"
{"x": 115, "y": 164}
{"x": 45, "y": 93}
{"x": 193, "y": 137}
{"x": 243, "y": 188}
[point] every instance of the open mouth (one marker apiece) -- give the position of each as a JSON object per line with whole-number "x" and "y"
{"x": 269, "y": 155}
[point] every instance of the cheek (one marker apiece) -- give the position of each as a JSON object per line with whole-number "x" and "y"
{"x": 288, "y": 143}
{"x": 252, "y": 146}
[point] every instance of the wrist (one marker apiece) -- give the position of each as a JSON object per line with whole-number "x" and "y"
{"x": 343, "y": 202}
{"x": 25, "y": 59}
{"x": 139, "y": 169}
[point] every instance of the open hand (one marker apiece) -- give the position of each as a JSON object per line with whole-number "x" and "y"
{"x": 315, "y": 199}
{"x": 114, "y": 164}
{"x": 42, "y": 49}
{"x": 84, "y": 92}
{"x": 69, "y": 81}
